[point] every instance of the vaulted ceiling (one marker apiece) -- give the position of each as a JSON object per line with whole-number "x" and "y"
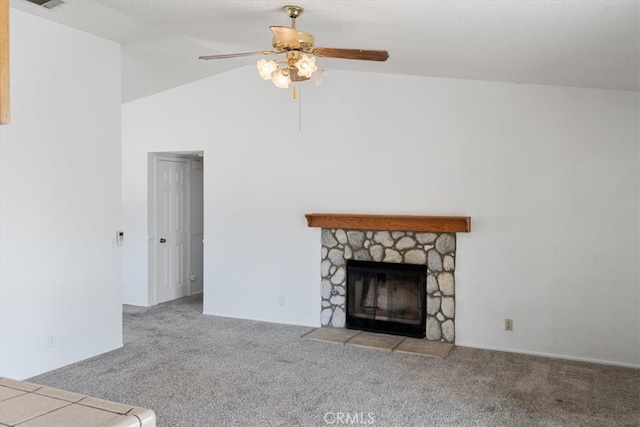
{"x": 593, "y": 44}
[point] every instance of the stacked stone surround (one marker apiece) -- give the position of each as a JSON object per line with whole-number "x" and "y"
{"x": 435, "y": 250}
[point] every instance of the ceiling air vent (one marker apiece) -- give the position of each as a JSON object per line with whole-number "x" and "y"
{"x": 49, "y": 4}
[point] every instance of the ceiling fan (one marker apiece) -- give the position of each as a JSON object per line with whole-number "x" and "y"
{"x": 300, "y": 53}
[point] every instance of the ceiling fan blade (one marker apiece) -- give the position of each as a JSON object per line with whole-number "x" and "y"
{"x": 237, "y": 55}
{"x": 286, "y": 35}
{"x": 361, "y": 54}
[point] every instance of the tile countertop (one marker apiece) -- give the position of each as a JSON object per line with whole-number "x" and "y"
{"x": 30, "y": 405}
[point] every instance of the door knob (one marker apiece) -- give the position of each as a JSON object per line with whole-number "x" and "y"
{"x": 163, "y": 240}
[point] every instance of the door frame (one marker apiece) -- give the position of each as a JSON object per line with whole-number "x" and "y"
{"x": 153, "y": 160}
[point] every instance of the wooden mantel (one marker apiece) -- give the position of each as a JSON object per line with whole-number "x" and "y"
{"x": 452, "y": 224}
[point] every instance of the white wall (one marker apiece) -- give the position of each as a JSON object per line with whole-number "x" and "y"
{"x": 549, "y": 176}
{"x": 60, "y": 199}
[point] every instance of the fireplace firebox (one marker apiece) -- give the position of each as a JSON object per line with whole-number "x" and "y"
{"x": 386, "y": 297}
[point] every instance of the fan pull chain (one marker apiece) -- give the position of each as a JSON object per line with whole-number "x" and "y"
{"x": 293, "y": 93}
{"x": 299, "y": 110}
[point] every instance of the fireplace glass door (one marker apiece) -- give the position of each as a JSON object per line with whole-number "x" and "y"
{"x": 386, "y": 297}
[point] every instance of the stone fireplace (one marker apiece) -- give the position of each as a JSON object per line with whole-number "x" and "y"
{"x": 434, "y": 249}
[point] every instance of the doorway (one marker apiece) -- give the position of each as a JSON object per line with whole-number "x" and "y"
{"x": 176, "y": 250}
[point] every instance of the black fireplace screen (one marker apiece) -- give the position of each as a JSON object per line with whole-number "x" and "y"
{"x": 386, "y": 297}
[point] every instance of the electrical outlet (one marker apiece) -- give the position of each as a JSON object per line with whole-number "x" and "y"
{"x": 281, "y": 301}
{"x": 51, "y": 341}
{"x": 508, "y": 325}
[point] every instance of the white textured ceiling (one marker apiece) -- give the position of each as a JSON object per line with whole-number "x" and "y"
{"x": 592, "y": 44}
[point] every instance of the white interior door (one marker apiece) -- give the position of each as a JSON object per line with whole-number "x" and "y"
{"x": 172, "y": 229}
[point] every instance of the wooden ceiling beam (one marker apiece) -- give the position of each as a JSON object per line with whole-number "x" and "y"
{"x": 4, "y": 62}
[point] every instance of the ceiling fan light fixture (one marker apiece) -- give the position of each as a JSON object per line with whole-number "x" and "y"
{"x": 281, "y": 78}
{"x": 266, "y": 68}
{"x": 300, "y": 54}
{"x": 320, "y": 76}
{"x": 306, "y": 65}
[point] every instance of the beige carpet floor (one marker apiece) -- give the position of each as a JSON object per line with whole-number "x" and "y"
{"x": 196, "y": 370}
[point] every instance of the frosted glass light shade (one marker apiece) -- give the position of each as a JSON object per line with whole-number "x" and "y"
{"x": 281, "y": 78}
{"x": 306, "y": 65}
{"x": 266, "y": 68}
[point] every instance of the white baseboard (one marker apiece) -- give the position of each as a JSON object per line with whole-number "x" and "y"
{"x": 551, "y": 355}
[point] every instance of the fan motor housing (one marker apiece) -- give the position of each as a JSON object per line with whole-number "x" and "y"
{"x": 306, "y": 41}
